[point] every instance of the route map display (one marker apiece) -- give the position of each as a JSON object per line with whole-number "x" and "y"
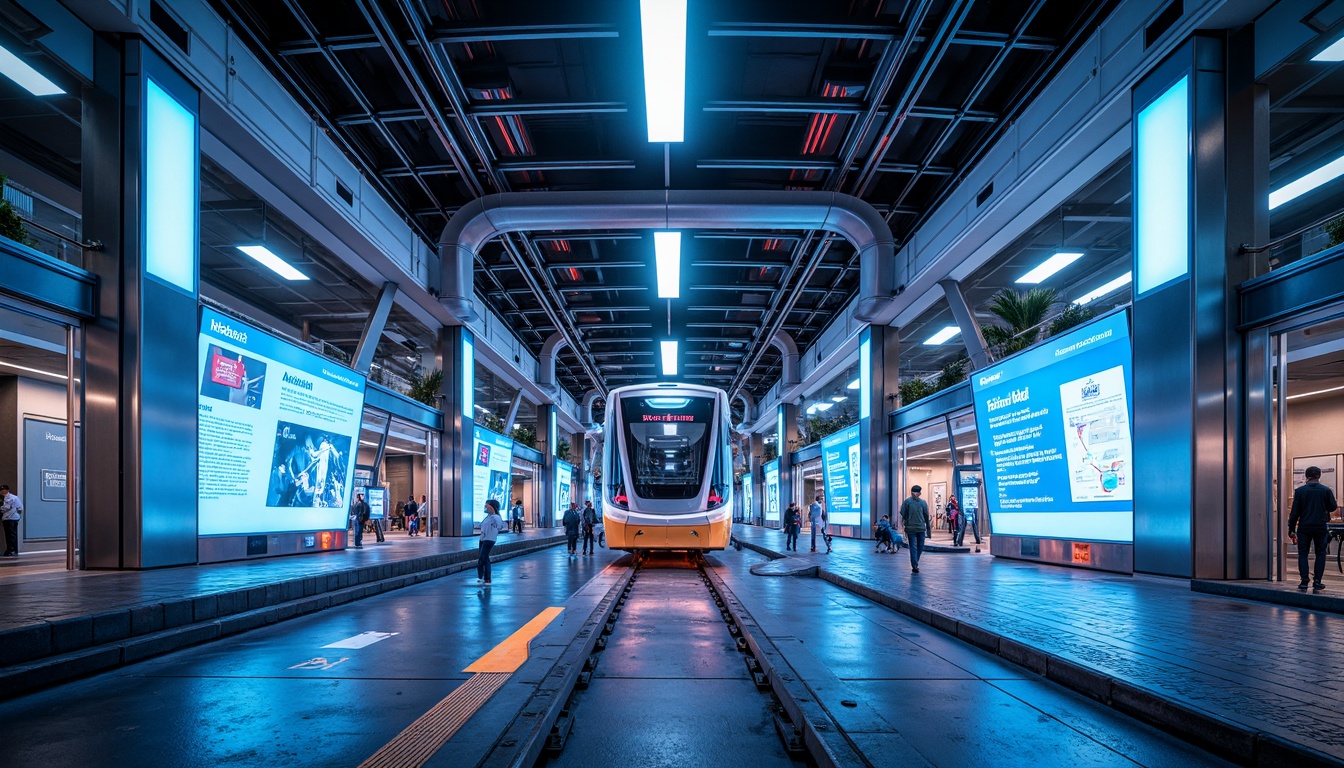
{"x": 1054, "y": 425}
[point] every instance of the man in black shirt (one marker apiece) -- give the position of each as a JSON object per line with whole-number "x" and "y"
{"x": 1312, "y": 505}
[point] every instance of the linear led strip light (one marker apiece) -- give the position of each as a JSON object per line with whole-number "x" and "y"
{"x": 30, "y": 79}
{"x": 272, "y": 262}
{"x": 1106, "y": 289}
{"x": 1304, "y": 184}
{"x": 669, "y": 350}
{"x": 943, "y": 336}
{"x": 663, "y": 33}
{"x": 1048, "y": 268}
{"x": 667, "y": 254}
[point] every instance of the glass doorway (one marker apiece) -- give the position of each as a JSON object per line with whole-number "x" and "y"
{"x": 40, "y": 401}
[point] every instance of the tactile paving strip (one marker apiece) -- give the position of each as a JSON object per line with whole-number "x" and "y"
{"x": 414, "y": 746}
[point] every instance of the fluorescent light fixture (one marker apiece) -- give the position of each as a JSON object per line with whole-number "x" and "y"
{"x": 839, "y": 398}
{"x": 663, "y": 33}
{"x": 1299, "y": 187}
{"x": 942, "y": 336}
{"x": 30, "y": 79}
{"x": 1333, "y": 53}
{"x": 1049, "y": 267}
{"x": 667, "y": 253}
{"x": 369, "y": 443}
{"x": 823, "y": 406}
{"x": 33, "y": 370}
{"x": 669, "y": 349}
{"x": 1294, "y": 397}
{"x": 272, "y": 262}
{"x": 1106, "y": 290}
{"x": 853, "y": 384}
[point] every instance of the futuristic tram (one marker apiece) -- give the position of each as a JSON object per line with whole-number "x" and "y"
{"x": 667, "y": 468}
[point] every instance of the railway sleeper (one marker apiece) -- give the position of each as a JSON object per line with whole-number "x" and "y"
{"x": 555, "y": 741}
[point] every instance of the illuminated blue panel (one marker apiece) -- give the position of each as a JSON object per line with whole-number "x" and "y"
{"x": 865, "y": 377}
{"x": 468, "y": 377}
{"x": 780, "y": 445}
{"x": 553, "y": 436}
{"x": 171, "y": 161}
{"x": 1162, "y": 189}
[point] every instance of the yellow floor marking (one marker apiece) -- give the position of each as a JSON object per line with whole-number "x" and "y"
{"x": 415, "y": 745}
{"x": 509, "y": 655}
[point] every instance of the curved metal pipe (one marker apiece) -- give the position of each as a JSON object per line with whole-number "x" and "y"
{"x": 786, "y": 346}
{"x": 487, "y": 217}
{"x": 550, "y": 350}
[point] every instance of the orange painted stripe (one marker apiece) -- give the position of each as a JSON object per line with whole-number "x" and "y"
{"x": 509, "y": 655}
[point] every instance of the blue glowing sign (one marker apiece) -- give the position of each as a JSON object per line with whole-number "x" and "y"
{"x": 468, "y": 377}
{"x": 170, "y": 189}
{"x": 842, "y": 466}
{"x": 865, "y": 377}
{"x": 1162, "y": 189}
{"x": 772, "y": 508}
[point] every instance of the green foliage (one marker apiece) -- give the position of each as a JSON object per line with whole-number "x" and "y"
{"x": 524, "y": 435}
{"x": 562, "y": 450}
{"x": 819, "y": 426}
{"x": 1335, "y": 231}
{"x": 11, "y": 225}
{"x": 493, "y": 423}
{"x": 770, "y": 452}
{"x": 1072, "y": 316}
{"x": 953, "y": 373}
{"x": 425, "y": 386}
{"x": 1021, "y": 315}
{"x": 912, "y": 390}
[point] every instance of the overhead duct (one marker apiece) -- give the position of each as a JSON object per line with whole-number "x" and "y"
{"x": 487, "y": 217}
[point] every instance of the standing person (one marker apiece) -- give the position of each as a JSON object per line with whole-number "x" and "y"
{"x": 1312, "y": 505}
{"x": 490, "y": 528}
{"x": 424, "y": 512}
{"x": 11, "y": 509}
{"x": 359, "y": 512}
{"x": 516, "y": 516}
{"x": 589, "y": 522}
{"x": 571, "y": 522}
{"x": 915, "y": 518}
{"x": 956, "y": 521}
{"x": 411, "y": 512}
{"x": 816, "y": 515}
{"x": 600, "y": 529}
{"x": 793, "y": 522}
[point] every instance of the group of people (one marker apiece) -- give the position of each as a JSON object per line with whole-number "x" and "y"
{"x": 585, "y": 522}
{"x": 793, "y": 524}
{"x": 360, "y": 514}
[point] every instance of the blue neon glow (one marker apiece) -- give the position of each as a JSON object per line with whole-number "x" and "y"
{"x": 780, "y": 445}
{"x": 772, "y": 505}
{"x": 865, "y": 377}
{"x": 468, "y": 377}
{"x": 171, "y": 189}
{"x": 842, "y": 466}
{"x": 663, "y": 33}
{"x": 667, "y": 402}
{"x": 553, "y": 436}
{"x": 1162, "y": 189}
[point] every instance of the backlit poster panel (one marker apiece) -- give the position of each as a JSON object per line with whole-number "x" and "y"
{"x": 276, "y": 433}
{"x": 772, "y": 508}
{"x": 564, "y": 486}
{"x": 1054, "y": 426}
{"x": 491, "y": 465}
{"x": 842, "y": 467}
{"x": 748, "y": 514}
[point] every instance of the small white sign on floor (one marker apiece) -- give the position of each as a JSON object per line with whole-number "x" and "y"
{"x": 362, "y": 640}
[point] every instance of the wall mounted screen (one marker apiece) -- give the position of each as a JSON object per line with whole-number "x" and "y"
{"x": 276, "y": 435}
{"x": 772, "y": 508}
{"x": 491, "y": 465}
{"x": 1162, "y": 189}
{"x": 842, "y": 465}
{"x": 1055, "y": 436}
{"x": 564, "y": 485}
{"x": 171, "y": 237}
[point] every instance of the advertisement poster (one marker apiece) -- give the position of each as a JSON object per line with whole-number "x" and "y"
{"x": 772, "y": 508}
{"x": 1055, "y": 433}
{"x": 276, "y": 432}
{"x": 44, "y": 479}
{"x": 747, "y": 513}
{"x": 377, "y": 499}
{"x": 842, "y": 466}
{"x": 564, "y": 486}
{"x": 490, "y": 472}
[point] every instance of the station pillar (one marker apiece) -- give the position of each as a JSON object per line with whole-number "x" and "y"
{"x": 548, "y": 437}
{"x": 455, "y": 356}
{"x": 1188, "y": 465}
{"x": 141, "y": 187}
{"x": 879, "y": 352}
{"x": 786, "y": 435}
{"x": 755, "y": 450}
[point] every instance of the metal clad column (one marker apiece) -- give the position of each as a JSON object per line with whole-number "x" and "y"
{"x": 756, "y": 449}
{"x": 879, "y": 349}
{"x": 547, "y": 438}
{"x": 786, "y": 433}
{"x": 457, "y": 445}
{"x": 141, "y": 199}
{"x": 1181, "y": 329}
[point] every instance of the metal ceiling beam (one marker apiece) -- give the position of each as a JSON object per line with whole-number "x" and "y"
{"x": 525, "y": 108}
{"x": 842, "y": 107}
{"x": 444, "y": 34}
{"x": 842, "y": 30}
{"x": 384, "y": 116}
{"x": 534, "y": 164}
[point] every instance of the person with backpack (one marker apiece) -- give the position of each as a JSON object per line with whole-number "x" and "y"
{"x": 412, "y": 515}
{"x": 589, "y": 520}
{"x": 793, "y": 523}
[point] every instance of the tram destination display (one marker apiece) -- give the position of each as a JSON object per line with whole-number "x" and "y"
{"x": 276, "y": 433}
{"x": 1055, "y": 435}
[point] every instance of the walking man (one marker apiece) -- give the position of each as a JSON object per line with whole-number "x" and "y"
{"x": 11, "y": 509}
{"x": 516, "y": 516}
{"x": 816, "y": 515}
{"x": 589, "y": 522}
{"x": 915, "y": 518}
{"x": 1312, "y": 505}
{"x": 793, "y": 521}
{"x": 490, "y": 528}
{"x": 359, "y": 512}
{"x": 571, "y": 522}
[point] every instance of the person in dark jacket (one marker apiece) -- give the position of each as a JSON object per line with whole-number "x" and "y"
{"x": 588, "y": 522}
{"x": 571, "y": 521}
{"x": 1312, "y": 505}
{"x": 359, "y": 514}
{"x": 793, "y": 522}
{"x": 915, "y": 518}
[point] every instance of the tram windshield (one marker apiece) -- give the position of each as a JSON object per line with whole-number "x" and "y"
{"x": 667, "y": 439}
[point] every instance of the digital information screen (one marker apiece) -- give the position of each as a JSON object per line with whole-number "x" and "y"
{"x": 772, "y": 508}
{"x": 1055, "y": 434}
{"x": 564, "y": 482}
{"x": 842, "y": 466}
{"x": 490, "y": 473}
{"x": 276, "y": 433}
